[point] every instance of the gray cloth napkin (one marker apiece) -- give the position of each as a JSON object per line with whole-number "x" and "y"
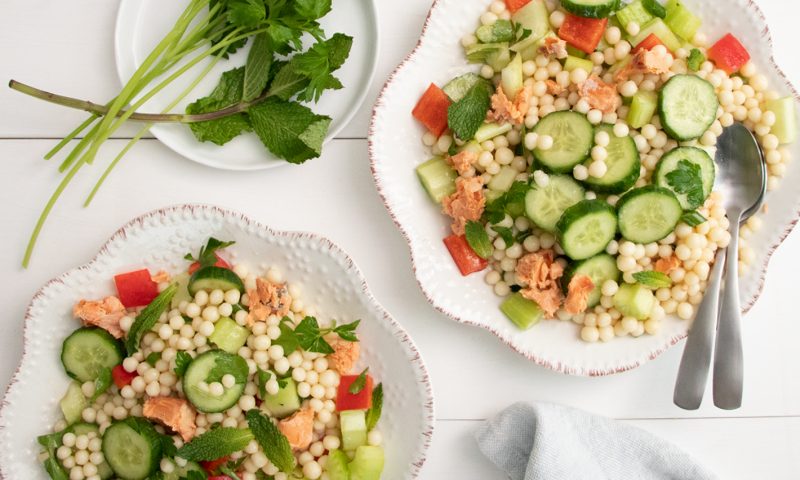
{"x": 551, "y": 442}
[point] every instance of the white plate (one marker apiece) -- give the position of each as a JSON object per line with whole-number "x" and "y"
{"x": 396, "y": 149}
{"x": 327, "y": 276}
{"x": 141, "y": 24}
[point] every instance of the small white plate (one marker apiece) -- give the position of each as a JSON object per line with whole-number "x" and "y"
{"x": 141, "y": 24}
{"x": 396, "y": 149}
{"x": 327, "y": 276}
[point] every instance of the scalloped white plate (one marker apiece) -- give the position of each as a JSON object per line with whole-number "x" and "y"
{"x": 396, "y": 149}
{"x": 328, "y": 277}
{"x": 142, "y": 23}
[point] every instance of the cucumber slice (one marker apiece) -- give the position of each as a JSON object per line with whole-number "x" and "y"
{"x": 499, "y": 31}
{"x": 88, "y": 351}
{"x": 633, "y": 12}
{"x": 488, "y": 131}
{"x": 523, "y": 312}
{"x": 503, "y": 180}
{"x": 600, "y": 269}
{"x": 680, "y": 20}
{"x": 573, "y": 137}
{"x": 660, "y": 29}
{"x": 353, "y": 425}
{"x": 785, "y": 111}
{"x": 669, "y": 162}
{"x": 534, "y": 17}
{"x": 229, "y": 335}
{"x": 624, "y": 165}
{"x": 648, "y": 214}
{"x": 283, "y": 403}
{"x": 73, "y": 403}
{"x": 132, "y": 448}
{"x": 367, "y": 463}
{"x": 590, "y": 8}
{"x": 103, "y": 470}
{"x": 338, "y": 467}
{"x": 688, "y": 106}
{"x": 213, "y": 278}
{"x": 438, "y": 178}
{"x": 587, "y": 228}
{"x": 511, "y": 77}
{"x": 210, "y": 367}
{"x": 459, "y": 86}
{"x": 545, "y": 205}
{"x": 634, "y": 300}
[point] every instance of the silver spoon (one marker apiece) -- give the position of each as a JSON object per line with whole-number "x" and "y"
{"x": 742, "y": 181}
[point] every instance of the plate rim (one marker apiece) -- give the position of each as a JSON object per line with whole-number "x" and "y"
{"x": 121, "y": 24}
{"x": 409, "y": 346}
{"x": 561, "y": 367}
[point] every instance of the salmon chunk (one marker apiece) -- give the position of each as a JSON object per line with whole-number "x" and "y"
{"x": 554, "y": 47}
{"x": 667, "y": 265}
{"x": 105, "y": 313}
{"x": 175, "y": 413}
{"x": 345, "y": 356}
{"x": 540, "y": 274}
{"x": 553, "y": 88}
{"x": 504, "y": 110}
{"x": 161, "y": 277}
{"x": 268, "y": 299}
{"x": 299, "y": 428}
{"x": 599, "y": 94}
{"x": 578, "y": 291}
{"x": 466, "y": 204}
{"x": 463, "y": 161}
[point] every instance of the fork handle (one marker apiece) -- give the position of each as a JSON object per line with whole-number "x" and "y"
{"x": 696, "y": 361}
{"x": 729, "y": 355}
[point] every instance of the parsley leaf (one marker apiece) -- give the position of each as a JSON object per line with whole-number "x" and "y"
{"x": 318, "y": 63}
{"x": 246, "y": 13}
{"x": 347, "y": 331}
{"x": 208, "y": 255}
{"x": 511, "y": 202}
{"x": 467, "y": 115}
{"x": 478, "y": 239}
{"x": 686, "y": 180}
{"x": 228, "y": 92}
{"x": 695, "y": 60}
{"x": 312, "y": 9}
{"x": 215, "y": 443}
{"x": 374, "y": 413}
{"x": 153, "y": 358}
{"x": 359, "y": 383}
{"x": 275, "y": 445}
{"x": 310, "y": 337}
{"x": 182, "y": 361}
{"x": 653, "y": 279}
{"x": 693, "y": 218}
{"x": 51, "y": 464}
{"x": 289, "y": 130}
{"x": 506, "y": 233}
{"x": 288, "y": 340}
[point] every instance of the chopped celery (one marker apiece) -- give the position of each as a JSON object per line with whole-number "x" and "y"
{"x": 534, "y": 17}
{"x": 523, "y": 312}
{"x": 229, "y": 335}
{"x": 490, "y": 130}
{"x": 503, "y": 180}
{"x": 511, "y": 77}
{"x": 643, "y": 107}
{"x": 633, "y": 12}
{"x": 438, "y": 178}
{"x": 785, "y": 127}
{"x": 662, "y": 31}
{"x": 480, "y": 52}
{"x": 573, "y": 63}
{"x": 499, "y": 58}
{"x": 680, "y": 20}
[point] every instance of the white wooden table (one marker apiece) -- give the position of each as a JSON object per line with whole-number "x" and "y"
{"x": 66, "y": 46}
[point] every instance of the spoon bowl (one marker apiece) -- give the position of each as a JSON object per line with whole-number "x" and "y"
{"x": 741, "y": 171}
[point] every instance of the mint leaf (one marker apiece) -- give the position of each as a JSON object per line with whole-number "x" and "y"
{"x": 695, "y": 60}
{"x": 687, "y": 180}
{"x": 374, "y": 413}
{"x": 182, "y": 361}
{"x": 246, "y": 13}
{"x": 312, "y": 9}
{"x": 289, "y": 130}
{"x": 653, "y": 279}
{"x": 217, "y": 443}
{"x": 257, "y": 68}
{"x": 693, "y": 218}
{"x": 148, "y": 317}
{"x": 467, "y": 115}
{"x": 275, "y": 445}
{"x": 228, "y": 92}
{"x": 288, "y": 82}
{"x": 478, "y": 239}
{"x": 310, "y": 337}
{"x": 359, "y": 383}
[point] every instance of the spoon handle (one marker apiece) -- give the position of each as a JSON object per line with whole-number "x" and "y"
{"x": 729, "y": 356}
{"x": 696, "y": 361}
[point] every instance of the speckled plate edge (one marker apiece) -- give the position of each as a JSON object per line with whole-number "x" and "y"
{"x": 176, "y": 213}
{"x": 751, "y": 286}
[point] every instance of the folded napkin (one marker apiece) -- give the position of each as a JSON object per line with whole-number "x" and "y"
{"x": 551, "y": 442}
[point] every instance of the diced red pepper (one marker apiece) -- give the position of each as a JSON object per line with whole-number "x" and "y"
{"x": 211, "y": 466}
{"x": 583, "y": 33}
{"x": 220, "y": 263}
{"x": 649, "y": 43}
{"x": 122, "y": 377}
{"x": 431, "y": 110}
{"x": 467, "y": 261}
{"x": 514, "y": 5}
{"x": 136, "y": 289}
{"x": 349, "y": 401}
{"x": 729, "y": 54}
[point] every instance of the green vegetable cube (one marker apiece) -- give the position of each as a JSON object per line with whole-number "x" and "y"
{"x": 438, "y": 178}
{"x": 353, "y": 424}
{"x": 229, "y": 335}
{"x": 634, "y": 300}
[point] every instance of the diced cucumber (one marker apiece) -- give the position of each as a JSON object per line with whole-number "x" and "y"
{"x": 499, "y": 58}
{"x": 785, "y": 111}
{"x": 215, "y": 278}
{"x": 522, "y": 312}
{"x": 73, "y": 403}
{"x": 103, "y": 470}
{"x": 680, "y": 20}
{"x": 367, "y": 463}
{"x": 283, "y": 403}
{"x": 590, "y": 8}
{"x": 511, "y": 77}
{"x": 503, "y": 180}
{"x": 633, "y": 12}
{"x": 459, "y": 86}
{"x": 643, "y": 107}
{"x": 697, "y": 156}
{"x": 438, "y": 177}
{"x": 573, "y": 63}
{"x": 573, "y": 138}
{"x": 229, "y": 335}
{"x": 210, "y": 367}
{"x": 634, "y": 300}
{"x": 88, "y": 351}
{"x": 534, "y": 17}
{"x": 660, "y": 29}
{"x": 600, "y": 269}
{"x": 623, "y": 162}
{"x": 587, "y": 228}
{"x": 132, "y": 447}
{"x": 688, "y": 106}
{"x": 472, "y": 146}
{"x": 182, "y": 294}
{"x": 353, "y": 425}
{"x": 179, "y": 472}
{"x": 479, "y": 53}
{"x": 338, "y": 467}
{"x": 545, "y": 205}
{"x": 488, "y": 131}
{"x": 499, "y": 31}
{"x": 648, "y": 214}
